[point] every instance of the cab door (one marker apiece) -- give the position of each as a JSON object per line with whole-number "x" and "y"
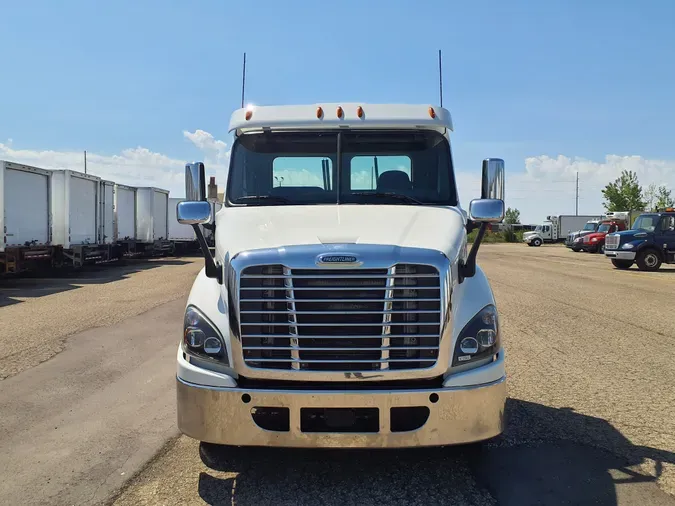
{"x": 665, "y": 234}
{"x": 546, "y": 232}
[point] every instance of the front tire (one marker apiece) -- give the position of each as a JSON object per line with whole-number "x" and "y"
{"x": 622, "y": 264}
{"x": 536, "y": 242}
{"x": 648, "y": 260}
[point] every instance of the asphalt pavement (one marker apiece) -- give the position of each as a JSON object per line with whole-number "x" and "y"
{"x": 591, "y": 409}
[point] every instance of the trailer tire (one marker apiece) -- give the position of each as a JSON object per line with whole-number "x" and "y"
{"x": 648, "y": 260}
{"x": 536, "y": 242}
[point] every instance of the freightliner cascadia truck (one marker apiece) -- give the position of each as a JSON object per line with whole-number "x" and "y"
{"x": 342, "y": 305}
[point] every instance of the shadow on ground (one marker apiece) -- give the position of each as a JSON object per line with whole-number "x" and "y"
{"x": 62, "y": 280}
{"x": 547, "y": 456}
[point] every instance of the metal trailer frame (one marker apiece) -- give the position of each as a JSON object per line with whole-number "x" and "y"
{"x": 15, "y": 258}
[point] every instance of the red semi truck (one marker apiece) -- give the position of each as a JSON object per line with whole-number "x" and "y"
{"x": 595, "y": 242}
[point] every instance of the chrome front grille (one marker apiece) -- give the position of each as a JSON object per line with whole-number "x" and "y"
{"x": 611, "y": 241}
{"x": 347, "y": 320}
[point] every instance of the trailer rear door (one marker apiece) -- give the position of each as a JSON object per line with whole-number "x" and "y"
{"x": 26, "y": 207}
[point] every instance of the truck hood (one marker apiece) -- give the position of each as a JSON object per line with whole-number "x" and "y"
{"x": 594, "y": 235}
{"x": 258, "y": 227}
{"x": 630, "y": 234}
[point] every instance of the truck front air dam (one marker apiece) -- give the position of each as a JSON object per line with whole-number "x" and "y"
{"x": 307, "y": 418}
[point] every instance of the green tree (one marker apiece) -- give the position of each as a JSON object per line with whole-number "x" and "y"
{"x": 512, "y": 216}
{"x": 650, "y": 197}
{"x": 624, "y": 194}
{"x": 664, "y": 198}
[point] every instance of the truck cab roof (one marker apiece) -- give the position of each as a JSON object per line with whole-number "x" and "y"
{"x": 323, "y": 116}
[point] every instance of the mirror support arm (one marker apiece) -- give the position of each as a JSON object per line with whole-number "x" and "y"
{"x": 212, "y": 268}
{"x": 468, "y": 268}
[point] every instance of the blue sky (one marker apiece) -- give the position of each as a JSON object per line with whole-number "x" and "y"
{"x": 524, "y": 81}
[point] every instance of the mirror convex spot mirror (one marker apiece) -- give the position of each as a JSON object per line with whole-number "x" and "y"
{"x": 193, "y": 212}
{"x": 486, "y": 210}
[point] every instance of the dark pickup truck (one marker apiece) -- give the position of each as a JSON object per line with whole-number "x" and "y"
{"x": 649, "y": 243}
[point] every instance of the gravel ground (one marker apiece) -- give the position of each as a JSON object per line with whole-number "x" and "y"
{"x": 43, "y": 312}
{"x": 591, "y": 410}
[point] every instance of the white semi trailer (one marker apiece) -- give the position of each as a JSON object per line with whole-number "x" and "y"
{"x": 77, "y": 207}
{"x": 25, "y": 221}
{"x": 152, "y": 221}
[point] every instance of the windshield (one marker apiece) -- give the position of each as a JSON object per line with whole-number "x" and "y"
{"x": 300, "y": 168}
{"x": 590, "y": 226}
{"x": 537, "y": 228}
{"x": 604, "y": 227}
{"x": 646, "y": 222}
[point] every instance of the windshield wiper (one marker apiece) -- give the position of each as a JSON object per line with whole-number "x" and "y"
{"x": 399, "y": 196}
{"x": 268, "y": 198}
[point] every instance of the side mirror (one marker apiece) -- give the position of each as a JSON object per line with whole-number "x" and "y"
{"x": 193, "y": 212}
{"x": 195, "y": 182}
{"x": 486, "y": 210}
{"x": 492, "y": 179}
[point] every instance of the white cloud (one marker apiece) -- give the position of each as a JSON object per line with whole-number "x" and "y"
{"x": 133, "y": 166}
{"x": 208, "y": 144}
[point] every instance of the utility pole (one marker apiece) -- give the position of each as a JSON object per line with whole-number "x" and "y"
{"x": 577, "y": 200}
{"x": 85, "y": 162}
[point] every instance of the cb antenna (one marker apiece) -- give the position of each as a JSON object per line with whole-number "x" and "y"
{"x": 243, "y": 82}
{"x": 440, "y": 76}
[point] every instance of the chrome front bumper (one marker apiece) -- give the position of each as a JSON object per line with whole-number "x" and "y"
{"x": 620, "y": 255}
{"x": 224, "y": 415}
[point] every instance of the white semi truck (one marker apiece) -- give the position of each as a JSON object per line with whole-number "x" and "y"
{"x": 341, "y": 314}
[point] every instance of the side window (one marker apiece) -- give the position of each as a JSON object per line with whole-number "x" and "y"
{"x": 366, "y": 169}
{"x": 668, "y": 224}
{"x": 547, "y": 228}
{"x": 301, "y": 171}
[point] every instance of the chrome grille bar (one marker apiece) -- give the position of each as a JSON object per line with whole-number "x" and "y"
{"x": 340, "y": 320}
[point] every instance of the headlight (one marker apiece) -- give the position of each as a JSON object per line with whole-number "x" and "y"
{"x": 201, "y": 338}
{"x": 479, "y": 338}
{"x": 628, "y": 245}
{"x": 594, "y": 239}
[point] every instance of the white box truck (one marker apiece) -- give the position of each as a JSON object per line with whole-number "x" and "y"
{"x": 76, "y": 217}
{"x": 556, "y": 228}
{"x": 25, "y": 219}
{"x": 341, "y": 315}
{"x": 152, "y": 220}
